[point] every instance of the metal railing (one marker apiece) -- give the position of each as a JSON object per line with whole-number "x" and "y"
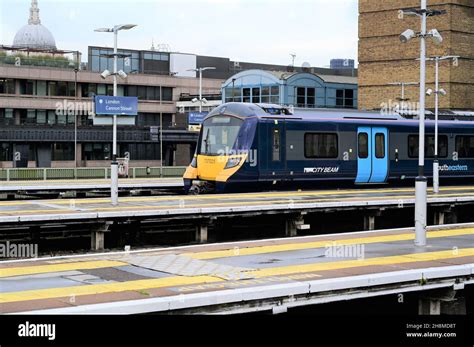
{"x": 42, "y": 174}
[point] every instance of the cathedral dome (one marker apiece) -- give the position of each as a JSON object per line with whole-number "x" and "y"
{"x": 34, "y": 35}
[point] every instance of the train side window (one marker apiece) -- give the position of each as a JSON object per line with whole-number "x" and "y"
{"x": 380, "y": 146}
{"x": 318, "y": 145}
{"x": 465, "y": 146}
{"x": 276, "y": 145}
{"x": 363, "y": 145}
{"x": 413, "y": 146}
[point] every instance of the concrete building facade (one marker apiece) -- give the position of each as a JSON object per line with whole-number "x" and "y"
{"x": 383, "y": 59}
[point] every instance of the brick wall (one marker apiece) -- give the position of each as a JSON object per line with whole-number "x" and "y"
{"x": 383, "y": 59}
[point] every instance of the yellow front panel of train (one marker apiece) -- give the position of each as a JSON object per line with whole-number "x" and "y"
{"x": 212, "y": 168}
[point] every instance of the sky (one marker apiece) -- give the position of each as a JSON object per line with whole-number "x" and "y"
{"x": 263, "y": 31}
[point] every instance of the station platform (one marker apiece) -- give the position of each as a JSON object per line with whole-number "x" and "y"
{"x": 241, "y": 277}
{"x": 221, "y": 204}
{"x": 89, "y": 184}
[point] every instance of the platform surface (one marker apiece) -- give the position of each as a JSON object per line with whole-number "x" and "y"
{"x": 100, "y": 208}
{"x": 216, "y": 275}
{"x": 89, "y": 184}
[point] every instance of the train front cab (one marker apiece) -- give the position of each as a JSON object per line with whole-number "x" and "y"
{"x": 223, "y": 149}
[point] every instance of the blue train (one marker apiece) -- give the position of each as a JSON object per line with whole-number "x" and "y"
{"x": 249, "y": 147}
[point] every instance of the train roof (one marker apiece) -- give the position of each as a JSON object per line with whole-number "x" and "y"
{"x": 263, "y": 111}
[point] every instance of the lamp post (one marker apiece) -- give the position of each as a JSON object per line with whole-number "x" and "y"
{"x": 105, "y": 74}
{"x": 76, "y": 70}
{"x": 437, "y": 92}
{"x": 421, "y": 181}
{"x": 200, "y": 70}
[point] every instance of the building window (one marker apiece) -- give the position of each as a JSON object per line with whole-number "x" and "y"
{"x": 319, "y": 145}
{"x": 167, "y": 94}
{"x": 345, "y": 98}
{"x": 246, "y": 94}
{"x": 7, "y": 86}
{"x": 41, "y": 88}
{"x": 6, "y": 117}
{"x": 233, "y": 94}
{"x": 51, "y": 117}
{"x": 300, "y": 97}
{"x": 305, "y": 97}
{"x": 89, "y": 90}
{"x": 128, "y": 63}
{"x": 63, "y": 151}
{"x": 256, "y": 95}
{"x": 41, "y": 117}
{"x": 6, "y": 151}
{"x": 96, "y": 151}
{"x": 465, "y": 146}
{"x": 27, "y": 87}
{"x": 413, "y": 146}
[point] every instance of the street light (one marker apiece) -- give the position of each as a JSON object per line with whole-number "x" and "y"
{"x": 104, "y": 75}
{"x": 421, "y": 181}
{"x": 200, "y": 70}
{"x": 437, "y": 92}
{"x": 76, "y": 70}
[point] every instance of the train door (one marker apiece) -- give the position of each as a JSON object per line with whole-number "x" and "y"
{"x": 372, "y": 155}
{"x": 272, "y": 142}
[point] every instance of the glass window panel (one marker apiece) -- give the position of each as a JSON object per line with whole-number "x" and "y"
{"x": 363, "y": 145}
{"x": 380, "y": 146}
{"x": 41, "y": 88}
{"x": 95, "y": 64}
{"x": 255, "y": 95}
{"x": 62, "y": 119}
{"x": 167, "y": 93}
{"x": 101, "y": 89}
{"x": 142, "y": 92}
{"x": 246, "y": 92}
{"x": 41, "y": 117}
{"x": 52, "y": 89}
{"x": 150, "y": 93}
{"x": 275, "y": 90}
{"x": 276, "y": 147}
{"x": 465, "y": 146}
{"x": 413, "y": 146}
{"x": 51, "y": 117}
{"x": 318, "y": 145}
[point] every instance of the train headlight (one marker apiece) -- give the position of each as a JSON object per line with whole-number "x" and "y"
{"x": 232, "y": 162}
{"x": 194, "y": 163}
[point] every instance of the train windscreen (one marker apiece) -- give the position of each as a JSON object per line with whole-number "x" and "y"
{"x": 219, "y": 135}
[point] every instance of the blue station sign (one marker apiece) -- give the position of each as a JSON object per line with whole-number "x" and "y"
{"x": 116, "y": 105}
{"x": 196, "y": 117}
